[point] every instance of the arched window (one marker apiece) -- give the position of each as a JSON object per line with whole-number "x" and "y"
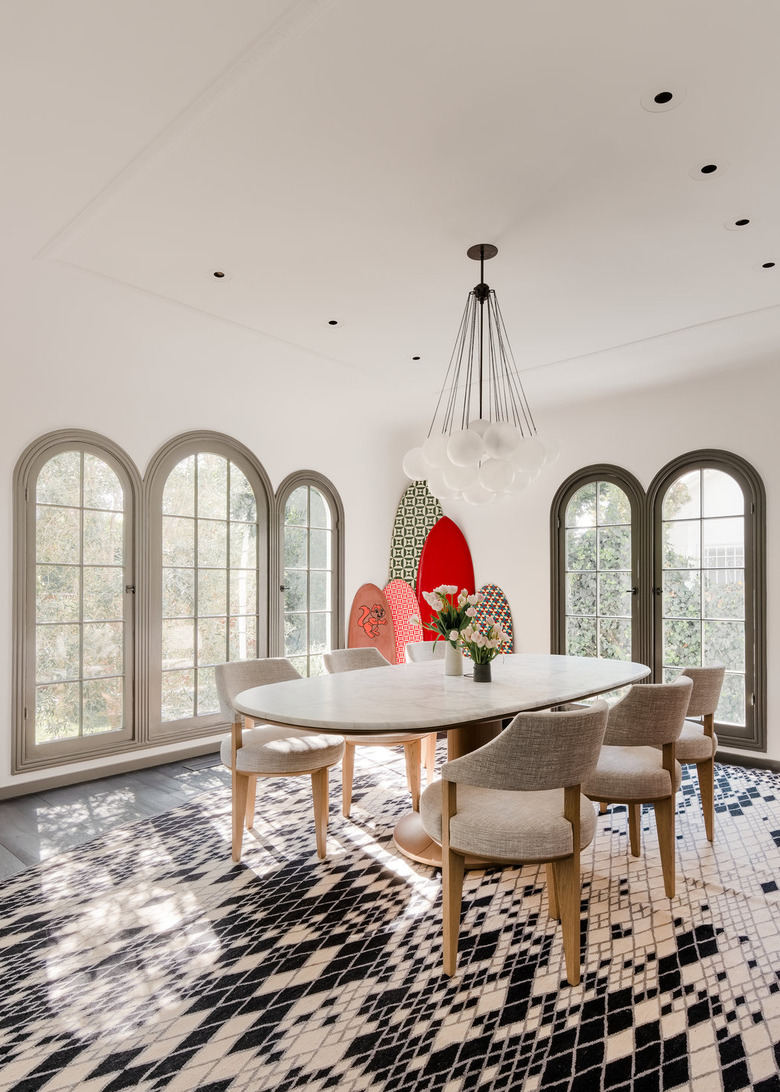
{"x": 311, "y": 520}
{"x": 75, "y": 563}
{"x": 208, "y": 586}
{"x": 708, "y": 517}
{"x": 597, "y": 563}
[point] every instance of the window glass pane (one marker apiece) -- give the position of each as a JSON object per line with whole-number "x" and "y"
{"x": 212, "y": 592}
{"x": 58, "y": 535}
{"x": 59, "y": 480}
{"x": 682, "y": 499}
{"x": 724, "y": 642}
{"x": 681, "y": 642}
{"x": 581, "y": 509}
{"x": 243, "y": 638}
{"x": 581, "y": 593}
{"x": 57, "y": 593}
{"x": 319, "y": 549}
{"x": 208, "y": 700}
{"x": 295, "y": 542}
{"x": 57, "y": 653}
{"x": 319, "y": 632}
{"x": 178, "y": 593}
{"x": 103, "y": 704}
{"x": 300, "y": 663}
{"x": 581, "y": 549}
{"x": 103, "y": 651}
{"x": 615, "y": 548}
{"x": 295, "y": 589}
{"x": 732, "y": 704}
{"x": 614, "y": 505}
{"x": 178, "y": 695}
{"x": 294, "y": 634}
{"x": 319, "y": 591}
{"x": 319, "y": 510}
{"x": 178, "y": 541}
{"x": 723, "y": 543}
{"x": 57, "y": 712}
{"x": 101, "y": 485}
{"x": 178, "y": 644}
{"x": 316, "y": 666}
{"x": 724, "y": 593}
{"x": 681, "y": 545}
{"x": 682, "y": 593}
{"x": 212, "y": 542}
{"x": 179, "y": 492}
{"x": 581, "y": 637}
{"x": 615, "y": 638}
{"x": 212, "y": 640}
{"x": 243, "y": 505}
{"x": 296, "y": 509}
{"x": 723, "y": 495}
{"x": 104, "y": 538}
{"x": 243, "y": 591}
{"x": 243, "y": 545}
{"x": 615, "y": 594}
{"x": 212, "y": 486}
{"x": 103, "y": 594}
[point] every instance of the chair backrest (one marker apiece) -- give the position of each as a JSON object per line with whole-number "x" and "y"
{"x": 707, "y": 685}
{"x": 353, "y": 659}
{"x": 241, "y": 675}
{"x": 418, "y": 652}
{"x": 536, "y": 751}
{"x": 650, "y": 714}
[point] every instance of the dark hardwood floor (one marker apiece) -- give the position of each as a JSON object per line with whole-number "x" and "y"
{"x": 38, "y": 826}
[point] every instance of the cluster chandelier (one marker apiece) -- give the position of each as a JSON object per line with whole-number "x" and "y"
{"x": 482, "y": 445}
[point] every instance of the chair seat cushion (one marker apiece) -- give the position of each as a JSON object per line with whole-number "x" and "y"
{"x": 515, "y": 826}
{"x": 693, "y": 745}
{"x": 269, "y": 750}
{"x": 631, "y": 773}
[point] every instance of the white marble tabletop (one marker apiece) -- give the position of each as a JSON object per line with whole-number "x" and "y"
{"x": 411, "y": 697}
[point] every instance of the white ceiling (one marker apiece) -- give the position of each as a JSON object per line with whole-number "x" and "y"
{"x": 336, "y": 158}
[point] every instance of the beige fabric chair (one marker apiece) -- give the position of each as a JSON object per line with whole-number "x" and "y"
{"x": 252, "y": 752}
{"x": 517, "y": 800}
{"x": 698, "y": 742}
{"x": 638, "y": 766}
{"x": 356, "y": 659}
{"x": 422, "y": 652}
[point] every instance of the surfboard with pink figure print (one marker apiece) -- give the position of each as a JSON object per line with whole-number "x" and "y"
{"x": 371, "y": 622}
{"x": 445, "y": 559}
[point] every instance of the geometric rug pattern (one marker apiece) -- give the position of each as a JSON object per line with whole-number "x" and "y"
{"x": 148, "y": 960}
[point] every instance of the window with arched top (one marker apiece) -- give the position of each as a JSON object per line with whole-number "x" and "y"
{"x": 75, "y": 588}
{"x": 310, "y": 523}
{"x": 208, "y": 586}
{"x": 697, "y": 576}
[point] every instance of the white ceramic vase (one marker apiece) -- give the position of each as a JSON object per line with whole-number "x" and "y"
{"x": 453, "y": 658}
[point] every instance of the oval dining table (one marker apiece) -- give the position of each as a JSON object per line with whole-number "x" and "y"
{"x": 418, "y": 697}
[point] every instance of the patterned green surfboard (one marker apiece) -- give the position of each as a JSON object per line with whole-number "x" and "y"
{"x": 417, "y": 512}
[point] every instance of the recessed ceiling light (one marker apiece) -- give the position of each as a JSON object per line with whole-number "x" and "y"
{"x": 333, "y": 322}
{"x": 708, "y": 170}
{"x": 768, "y": 265}
{"x": 218, "y": 273}
{"x": 664, "y": 97}
{"x": 737, "y": 225}
{"x": 415, "y": 358}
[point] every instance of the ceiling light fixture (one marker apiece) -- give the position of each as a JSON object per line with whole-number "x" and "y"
{"x": 482, "y": 445}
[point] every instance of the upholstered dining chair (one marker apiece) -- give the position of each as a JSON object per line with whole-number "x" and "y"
{"x": 698, "y": 742}
{"x": 637, "y": 764}
{"x": 518, "y": 800}
{"x": 356, "y": 659}
{"x": 264, "y": 751}
{"x": 419, "y": 652}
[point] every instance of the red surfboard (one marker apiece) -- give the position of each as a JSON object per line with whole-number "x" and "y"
{"x": 371, "y": 623}
{"x": 445, "y": 559}
{"x": 403, "y": 606}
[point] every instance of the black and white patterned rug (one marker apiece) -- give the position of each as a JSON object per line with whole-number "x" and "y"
{"x": 147, "y": 960}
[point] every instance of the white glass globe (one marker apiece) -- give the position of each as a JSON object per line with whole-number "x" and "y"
{"x": 551, "y": 451}
{"x": 414, "y": 465}
{"x": 496, "y": 475}
{"x": 480, "y": 425}
{"x": 460, "y": 477}
{"x": 465, "y": 448}
{"x": 435, "y": 449}
{"x": 501, "y": 439}
{"x": 521, "y": 481}
{"x": 438, "y": 486}
{"x": 477, "y": 495}
{"x": 529, "y": 454}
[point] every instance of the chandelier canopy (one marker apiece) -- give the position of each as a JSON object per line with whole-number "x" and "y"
{"x": 483, "y": 444}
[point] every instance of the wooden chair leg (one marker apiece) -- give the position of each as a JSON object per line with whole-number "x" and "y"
{"x": 706, "y": 773}
{"x": 635, "y": 828}
{"x": 412, "y": 753}
{"x": 568, "y": 884}
{"x": 347, "y": 772}
{"x": 552, "y": 894}
{"x": 240, "y": 790}
{"x": 603, "y": 807}
{"x": 451, "y": 896}
{"x": 319, "y": 791}
{"x": 664, "y": 821}
{"x": 429, "y": 756}
{"x": 250, "y": 803}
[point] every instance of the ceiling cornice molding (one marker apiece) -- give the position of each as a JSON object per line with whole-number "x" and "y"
{"x": 263, "y": 50}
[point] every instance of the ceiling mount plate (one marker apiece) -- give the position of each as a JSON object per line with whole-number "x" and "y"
{"x": 482, "y": 251}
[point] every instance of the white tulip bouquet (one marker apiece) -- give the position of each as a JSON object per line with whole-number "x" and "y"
{"x": 454, "y": 611}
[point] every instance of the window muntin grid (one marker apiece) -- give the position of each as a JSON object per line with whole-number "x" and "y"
{"x": 309, "y": 578}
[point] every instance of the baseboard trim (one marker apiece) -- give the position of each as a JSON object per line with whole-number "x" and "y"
{"x": 751, "y": 762}
{"x": 72, "y": 777}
